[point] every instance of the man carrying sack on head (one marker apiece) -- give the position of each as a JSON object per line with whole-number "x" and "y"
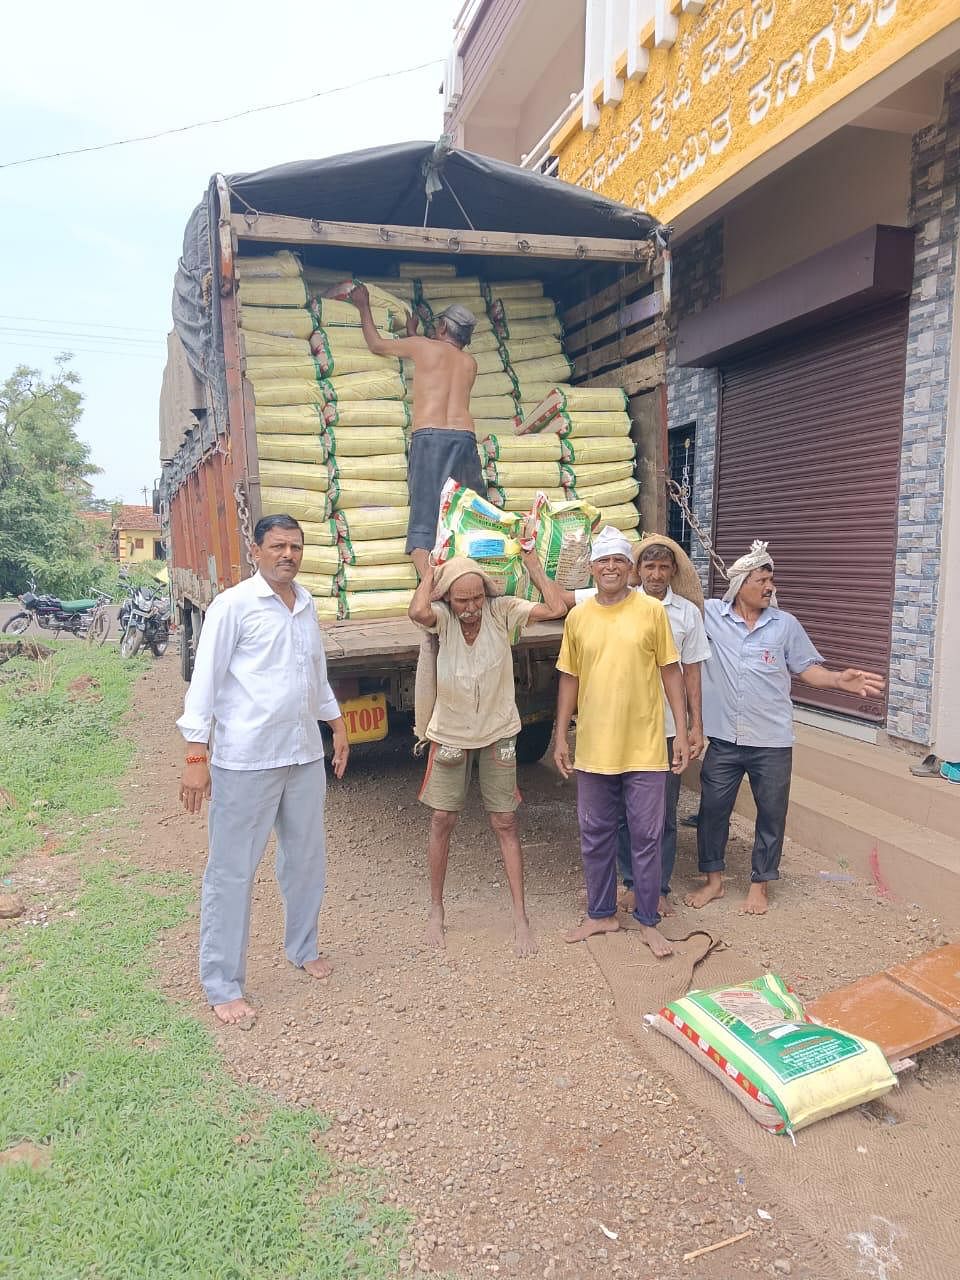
{"x": 617, "y": 661}
{"x": 475, "y": 719}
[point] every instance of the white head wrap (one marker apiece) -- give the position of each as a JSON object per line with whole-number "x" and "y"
{"x": 610, "y": 542}
{"x": 740, "y": 570}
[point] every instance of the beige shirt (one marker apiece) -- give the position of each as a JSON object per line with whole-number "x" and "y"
{"x": 476, "y": 700}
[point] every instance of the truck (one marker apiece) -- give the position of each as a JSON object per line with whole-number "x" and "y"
{"x": 604, "y": 262}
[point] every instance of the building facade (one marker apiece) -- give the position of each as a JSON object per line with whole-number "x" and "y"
{"x": 807, "y": 158}
{"x": 138, "y": 534}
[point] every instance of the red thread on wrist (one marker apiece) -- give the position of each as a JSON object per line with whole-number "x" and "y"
{"x": 196, "y": 759}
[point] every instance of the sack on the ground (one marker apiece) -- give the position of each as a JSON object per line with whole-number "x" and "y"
{"x": 371, "y": 466}
{"x": 378, "y": 577}
{"x": 512, "y": 448}
{"x": 367, "y": 413}
{"x": 292, "y": 448}
{"x": 788, "y": 1072}
{"x": 362, "y": 523}
{"x": 302, "y": 504}
{"x": 282, "y": 322}
{"x": 375, "y": 604}
{"x": 294, "y": 475}
{"x": 320, "y": 560}
{"x": 289, "y": 419}
{"x": 370, "y": 551}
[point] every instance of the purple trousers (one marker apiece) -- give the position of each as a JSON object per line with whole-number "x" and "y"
{"x": 601, "y": 798}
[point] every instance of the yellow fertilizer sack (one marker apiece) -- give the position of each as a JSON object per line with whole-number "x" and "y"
{"x": 367, "y": 413}
{"x": 378, "y": 577}
{"x": 273, "y": 291}
{"x": 350, "y": 359}
{"x": 294, "y": 475}
{"x": 402, "y": 289}
{"x": 349, "y": 493}
{"x": 512, "y": 448}
{"x": 374, "y": 384}
{"x": 319, "y": 534}
{"x": 277, "y": 391}
{"x": 524, "y": 308}
{"x": 509, "y": 289}
{"x": 291, "y": 448}
{"x": 552, "y": 369}
{"x": 518, "y": 499}
{"x": 562, "y": 533}
{"x": 462, "y": 509}
{"x": 483, "y": 341}
{"x": 575, "y": 400}
{"x": 608, "y": 495}
{"x": 486, "y": 427}
{"x": 369, "y": 523}
{"x": 396, "y": 307}
{"x": 373, "y": 551}
{"x": 493, "y": 407}
{"x": 302, "y": 504}
{"x": 452, "y": 288}
{"x": 488, "y": 361}
{"x": 320, "y": 584}
{"x": 281, "y": 263}
{"x": 524, "y": 349}
{"x": 426, "y": 270}
{"x": 539, "y": 327}
{"x": 289, "y": 419}
{"x": 370, "y": 466}
{"x": 623, "y": 516}
{"x": 594, "y": 424}
{"x": 331, "y": 312}
{"x": 755, "y": 1038}
{"x": 493, "y": 384}
{"x": 340, "y": 340}
{"x": 594, "y": 473}
{"x": 270, "y": 344}
{"x": 525, "y": 475}
{"x": 263, "y": 368}
{"x": 375, "y": 604}
{"x": 316, "y": 559}
{"x": 593, "y": 449}
{"x": 282, "y": 322}
{"x": 327, "y": 607}
{"x": 359, "y": 441}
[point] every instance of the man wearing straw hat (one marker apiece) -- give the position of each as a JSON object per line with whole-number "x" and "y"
{"x": 616, "y": 662}
{"x": 748, "y": 717}
{"x": 475, "y": 718}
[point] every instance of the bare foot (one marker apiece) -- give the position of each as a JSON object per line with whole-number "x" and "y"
{"x": 435, "y": 935}
{"x": 607, "y": 924}
{"x": 665, "y": 906}
{"x": 755, "y": 903}
{"x": 655, "y": 941}
{"x": 628, "y": 901}
{"x": 318, "y": 968}
{"x": 524, "y": 943}
{"x": 236, "y": 1013}
{"x": 712, "y": 889}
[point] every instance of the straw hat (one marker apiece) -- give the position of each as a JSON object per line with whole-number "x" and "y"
{"x": 459, "y": 567}
{"x": 686, "y": 581}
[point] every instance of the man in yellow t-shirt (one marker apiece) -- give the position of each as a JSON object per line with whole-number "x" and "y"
{"x": 617, "y": 655}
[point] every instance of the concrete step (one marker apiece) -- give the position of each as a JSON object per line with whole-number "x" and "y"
{"x": 878, "y": 776}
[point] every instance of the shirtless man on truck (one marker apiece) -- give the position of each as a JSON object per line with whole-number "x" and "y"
{"x": 443, "y": 442}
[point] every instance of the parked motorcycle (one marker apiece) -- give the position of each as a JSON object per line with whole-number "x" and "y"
{"x": 144, "y": 620}
{"x": 50, "y": 613}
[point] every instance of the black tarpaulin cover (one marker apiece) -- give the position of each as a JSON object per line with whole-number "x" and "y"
{"x": 384, "y": 185}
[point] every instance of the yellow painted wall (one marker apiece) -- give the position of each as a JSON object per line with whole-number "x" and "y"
{"x": 129, "y": 552}
{"x": 740, "y": 79}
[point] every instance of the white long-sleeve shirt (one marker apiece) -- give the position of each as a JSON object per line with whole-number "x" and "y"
{"x": 260, "y": 677}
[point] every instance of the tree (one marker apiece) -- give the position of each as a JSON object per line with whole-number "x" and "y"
{"x": 44, "y": 467}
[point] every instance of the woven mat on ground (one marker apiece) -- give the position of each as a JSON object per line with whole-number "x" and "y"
{"x": 866, "y": 1185}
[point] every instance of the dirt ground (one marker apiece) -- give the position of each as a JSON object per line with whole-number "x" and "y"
{"x": 531, "y": 1126}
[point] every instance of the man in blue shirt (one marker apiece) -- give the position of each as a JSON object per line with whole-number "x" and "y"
{"x": 748, "y": 717}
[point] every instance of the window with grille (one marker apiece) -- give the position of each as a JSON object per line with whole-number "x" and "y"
{"x": 681, "y": 443}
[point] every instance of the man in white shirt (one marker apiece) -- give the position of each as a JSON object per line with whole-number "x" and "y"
{"x": 664, "y": 571}
{"x": 260, "y": 682}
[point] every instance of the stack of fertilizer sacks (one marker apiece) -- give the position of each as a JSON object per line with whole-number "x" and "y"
{"x": 591, "y": 429}
{"x": 277, "y": 324}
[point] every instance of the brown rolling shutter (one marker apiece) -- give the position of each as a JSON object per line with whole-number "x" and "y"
{"x": 808, "y": 458}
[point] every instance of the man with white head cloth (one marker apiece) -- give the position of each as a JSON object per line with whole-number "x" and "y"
{"x": 748, "y": 717}
{"x": 617, "y": 660}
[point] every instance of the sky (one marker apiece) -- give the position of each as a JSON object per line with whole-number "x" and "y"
{"x": 90, "y": 242}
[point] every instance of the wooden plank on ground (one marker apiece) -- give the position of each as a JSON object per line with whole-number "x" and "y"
{"x": 639, "y": 375}
{"x": 620, "y": 291}
{"x": 594, "y": 331}
{"x": 272, "y": 228}
{"x": 624, "y": 351}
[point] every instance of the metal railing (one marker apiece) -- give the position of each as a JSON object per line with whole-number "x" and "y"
{"x": 539, "y": 156}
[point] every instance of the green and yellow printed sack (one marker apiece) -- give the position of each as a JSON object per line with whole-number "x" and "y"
{"x": 364, "y": 523}
{"x": 294, "y": 475}
{"x": 302, "y": 504}
{"x": 292, "y": 448}
{"x": 289, "y": 419}
{"x": 373, "y": 551}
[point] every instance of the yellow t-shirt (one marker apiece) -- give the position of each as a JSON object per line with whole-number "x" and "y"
{"x": 616, "y": 652}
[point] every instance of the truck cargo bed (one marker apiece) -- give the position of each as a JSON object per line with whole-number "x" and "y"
{"x": 398, "y": 639}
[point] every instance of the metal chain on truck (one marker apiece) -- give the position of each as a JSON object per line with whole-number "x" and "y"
{"x": 680, "y": 494}
{"x": 246, "y": 525}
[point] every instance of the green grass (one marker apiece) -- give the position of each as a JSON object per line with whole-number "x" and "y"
{"x": 159, "y": 1165}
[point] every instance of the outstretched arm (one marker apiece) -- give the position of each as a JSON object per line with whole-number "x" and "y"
{"x": 862, "y": 684}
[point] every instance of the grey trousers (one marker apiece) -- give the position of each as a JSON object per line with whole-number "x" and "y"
{"x": 245, "y": 806}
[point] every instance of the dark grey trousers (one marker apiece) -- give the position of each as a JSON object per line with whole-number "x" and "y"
{"x": 768, "y": 772}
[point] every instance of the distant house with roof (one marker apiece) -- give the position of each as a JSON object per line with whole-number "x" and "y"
{"x": 138, "y": 534}
{"x": 100, "y": 526}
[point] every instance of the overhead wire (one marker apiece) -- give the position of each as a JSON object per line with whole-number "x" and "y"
{"x": 70, "y": 348}
{"x": 236, "y": 115}
{"x": 84, "y": 324}
{"x": 67, "y": 332}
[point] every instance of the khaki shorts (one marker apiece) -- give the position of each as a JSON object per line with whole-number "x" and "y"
{"x": 445, "y": 785}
